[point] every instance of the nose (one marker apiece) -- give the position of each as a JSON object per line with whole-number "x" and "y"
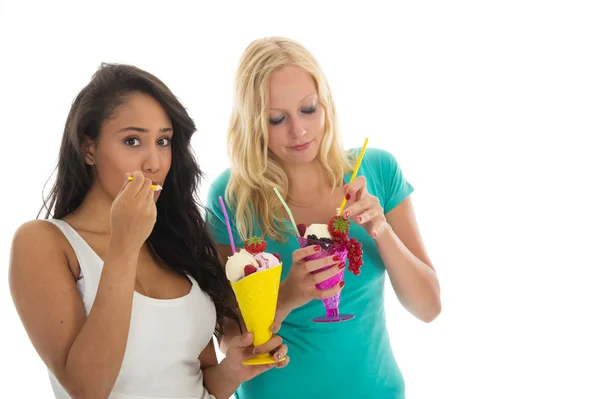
{"x": 151, "y": 162}
{"x": 296, "y": 128}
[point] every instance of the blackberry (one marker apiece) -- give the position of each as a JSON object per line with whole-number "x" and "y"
{"x": 312, "y": 241}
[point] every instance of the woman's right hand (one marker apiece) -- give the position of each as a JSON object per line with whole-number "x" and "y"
{"x": 298, "y": 288}
{"x": 133, "y": 212}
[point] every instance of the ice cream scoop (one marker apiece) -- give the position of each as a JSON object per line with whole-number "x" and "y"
{"x": 234, "y": 269}
{"x": 266, "y": 260}
{"x": 250, "y": 259}
{"x": 319, "y": 230}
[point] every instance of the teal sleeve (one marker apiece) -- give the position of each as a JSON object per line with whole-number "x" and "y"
{"x": 215, "y": 218}
{"x": 390, "y": 181}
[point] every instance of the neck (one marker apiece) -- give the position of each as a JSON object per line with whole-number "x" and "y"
{"x": 307, "y": 183}
{"x": 95, "y": 210}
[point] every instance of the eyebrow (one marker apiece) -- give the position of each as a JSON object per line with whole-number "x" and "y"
{"x": 301, "y": 101}
{"x": 144, "y": 130}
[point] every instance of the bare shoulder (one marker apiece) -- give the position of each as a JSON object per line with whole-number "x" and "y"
{"x": 44, "y": 291}
{"x": 37, "y": 229}
{"x": 36, "y": 243}
{"x": 39, "y": 235}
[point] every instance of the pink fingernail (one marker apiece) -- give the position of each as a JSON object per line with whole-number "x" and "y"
{"x": 359, "y": 219}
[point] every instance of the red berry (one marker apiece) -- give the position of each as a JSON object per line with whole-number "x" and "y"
{"x": 249, "y": 269}
{"x": 277, "y": 256}
{"x": 255, "y": 245}
{"x": 301, "y": 229}
{"x": 342, "y": 240}
{"x": 338, "y": 226}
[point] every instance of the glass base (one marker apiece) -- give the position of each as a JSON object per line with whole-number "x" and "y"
{"x": 265, "y": 358}
{"x": 333, "y": 319}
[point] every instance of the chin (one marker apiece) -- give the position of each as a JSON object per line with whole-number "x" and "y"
{"x": 303, "y": 159}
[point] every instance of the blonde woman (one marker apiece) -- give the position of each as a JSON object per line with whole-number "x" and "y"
{"x": 283, "y": 134}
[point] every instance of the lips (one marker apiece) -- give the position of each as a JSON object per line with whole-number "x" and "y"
{"x": 301, "y": 146}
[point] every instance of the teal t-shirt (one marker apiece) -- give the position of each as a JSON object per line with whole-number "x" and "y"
{"x": 352, "y": 359}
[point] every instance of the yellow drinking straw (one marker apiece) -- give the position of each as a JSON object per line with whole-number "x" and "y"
{"x": 288, "y": 210}
{"x": 154, "y": 187}
{"x": 360, "y": 157}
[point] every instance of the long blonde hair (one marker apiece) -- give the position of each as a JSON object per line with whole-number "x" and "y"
{"x": 255, "y": 170}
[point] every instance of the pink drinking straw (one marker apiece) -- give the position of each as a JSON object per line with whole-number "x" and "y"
{"x": 233, "y": 251}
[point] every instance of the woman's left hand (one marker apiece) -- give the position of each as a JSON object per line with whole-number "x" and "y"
{"x": 363, "y": 208}
{"x": 241, "y": 349}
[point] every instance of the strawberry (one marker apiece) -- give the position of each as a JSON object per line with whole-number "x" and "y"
{"x": 301, "y": 229}
{"x": 277, "y": 256}
{"x": 249, "y": 269}
{"x": 255, "y": 245}
{"x": 338, "y": 226}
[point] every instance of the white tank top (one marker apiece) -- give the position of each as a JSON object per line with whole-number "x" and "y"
{"x": 165, "y": 338}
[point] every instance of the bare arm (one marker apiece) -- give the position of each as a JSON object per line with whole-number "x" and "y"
{"x": 222, "y": 379}
{"x": 401, "y": 248}
{"x": 85, "y": 354}
{"x": 216, "y": 381}
{"x": 411, "y": 273}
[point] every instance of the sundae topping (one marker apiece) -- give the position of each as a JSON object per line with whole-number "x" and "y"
{"x": 301, "y": 229}
{"x": 250, "y": 259}
{"x": 335, "y": 233}
{"x": 338, "y": 226}
{"x": 255, "y": 245}
{"x": 249, "y": 269}
{"x": 237, "y": 263}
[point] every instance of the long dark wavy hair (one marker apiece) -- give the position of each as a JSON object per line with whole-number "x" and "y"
{"x": 180, "y": 239}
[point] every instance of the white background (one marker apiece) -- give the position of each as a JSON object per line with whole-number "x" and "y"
{"x": 492, "y": 109}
